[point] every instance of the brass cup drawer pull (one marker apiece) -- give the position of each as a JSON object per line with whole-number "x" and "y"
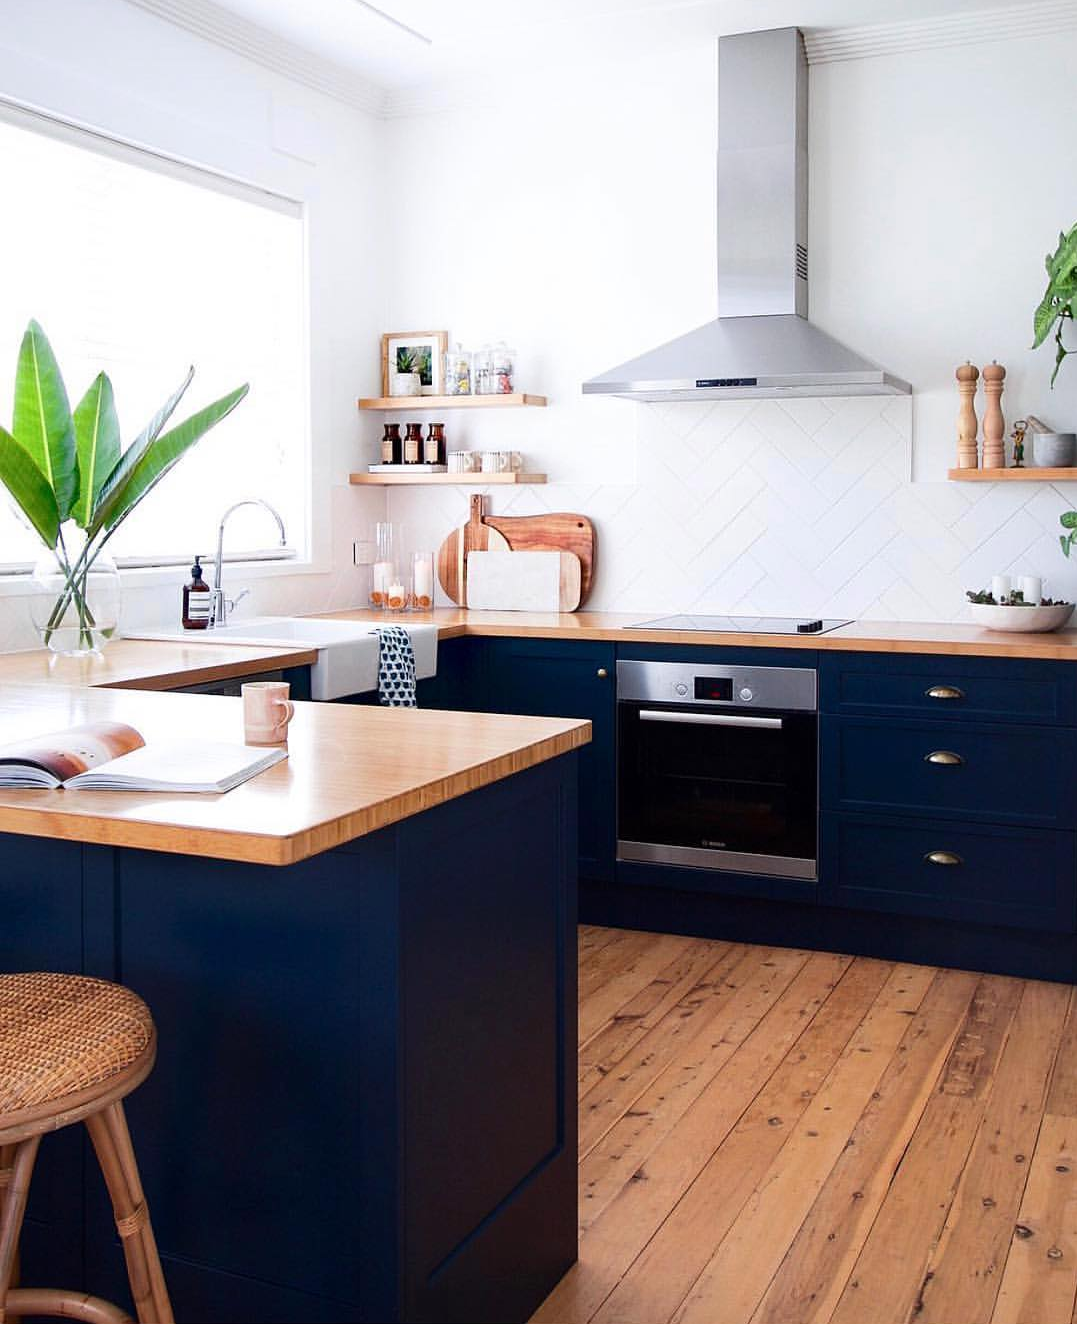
{"x": 942, "y": 857}
{"x": 944, "y": 692}
{"x": 945, "y": 758}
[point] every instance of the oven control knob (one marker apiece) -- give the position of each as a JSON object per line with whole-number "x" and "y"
{"x": 747, "y": 695}
{"x": 680, "y": 688}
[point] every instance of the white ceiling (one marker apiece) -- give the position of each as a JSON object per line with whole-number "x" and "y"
{"x": 463, "y": 37}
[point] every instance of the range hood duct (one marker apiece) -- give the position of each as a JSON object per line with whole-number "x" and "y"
{"x": 762, "y": 345}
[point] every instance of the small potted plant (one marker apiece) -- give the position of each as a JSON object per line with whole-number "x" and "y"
{"x": 407, "y": 379}
{"x": 74, "y": 485}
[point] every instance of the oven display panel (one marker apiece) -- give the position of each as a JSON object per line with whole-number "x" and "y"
{"x": 714, "y": 688}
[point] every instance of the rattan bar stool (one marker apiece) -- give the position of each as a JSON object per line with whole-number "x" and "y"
{"x": 71, "y": 1048}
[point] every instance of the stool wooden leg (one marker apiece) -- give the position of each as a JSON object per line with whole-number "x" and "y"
{"x": 12, "y": 1208}
{"x": 112, "y": 1142}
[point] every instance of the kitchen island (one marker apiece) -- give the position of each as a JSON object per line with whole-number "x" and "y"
{"x": 362, "y": 967}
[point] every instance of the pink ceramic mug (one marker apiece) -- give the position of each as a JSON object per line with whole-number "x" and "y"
{"x": 267, "y": 710}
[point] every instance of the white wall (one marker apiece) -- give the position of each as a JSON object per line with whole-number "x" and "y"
{"x": 575, "y": 217}
{"x": 112, "y": 66}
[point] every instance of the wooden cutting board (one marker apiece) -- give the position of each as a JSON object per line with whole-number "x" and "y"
{"x": 523, "y": 581}
{"x": 551, "y": 533}
{"x": 475, "y": 536}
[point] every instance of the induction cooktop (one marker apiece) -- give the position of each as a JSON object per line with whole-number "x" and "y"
{"x": 741, "y": 624}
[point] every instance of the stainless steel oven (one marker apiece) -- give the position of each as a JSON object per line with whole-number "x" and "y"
{"x": 718, "y": 767}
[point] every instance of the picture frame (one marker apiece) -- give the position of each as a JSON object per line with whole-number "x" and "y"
{"x": 428, "y": 356}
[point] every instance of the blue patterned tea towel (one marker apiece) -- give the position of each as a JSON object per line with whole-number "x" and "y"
{"x": 396, "y": 667}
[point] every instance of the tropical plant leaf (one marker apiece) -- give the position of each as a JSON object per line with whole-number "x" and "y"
{"x": 30, "y": 488}
{"x": 125, "y": 465}
{"x": 1068, "y": 519}
{"x": 42, "y": 421}
{"x": 157, "y": 459}
{"x": 1044, "y": 318}
{"x": 97, "y": 441}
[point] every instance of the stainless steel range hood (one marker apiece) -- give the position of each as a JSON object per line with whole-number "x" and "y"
{"x": 762, "y": 344}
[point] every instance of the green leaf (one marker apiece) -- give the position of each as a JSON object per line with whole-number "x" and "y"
{"x": 30, "y": 488}
{"x": 157, "y": 459}
{"x": 124, "y": 466}
{"x": 42, "y": 421}
{"x": 97, "y": 440}
{"x": 1044, "y": 319}
{"x": 1068, "y": 519}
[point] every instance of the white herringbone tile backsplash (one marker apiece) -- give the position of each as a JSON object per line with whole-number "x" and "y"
{"x": 792, "y": 507}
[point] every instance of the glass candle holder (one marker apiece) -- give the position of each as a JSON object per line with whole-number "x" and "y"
{"x": 386, "y": 575}
{"x": 422, "y": 581}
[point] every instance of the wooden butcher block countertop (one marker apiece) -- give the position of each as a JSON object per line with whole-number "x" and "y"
{"x": 859, "y": 637}
{"x": 350, "y": 770}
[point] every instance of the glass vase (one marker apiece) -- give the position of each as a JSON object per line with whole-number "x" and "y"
{"x": 75, "y": 606}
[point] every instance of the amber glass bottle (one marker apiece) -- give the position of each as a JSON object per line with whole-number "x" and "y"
{"x": 197, "y": 600}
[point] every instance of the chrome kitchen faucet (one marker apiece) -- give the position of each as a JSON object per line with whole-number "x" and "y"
{"x": 222, "y": 605}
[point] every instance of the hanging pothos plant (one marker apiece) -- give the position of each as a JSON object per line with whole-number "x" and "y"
{"x": 1059, "y": 303}
{"x": 69, "y": 472}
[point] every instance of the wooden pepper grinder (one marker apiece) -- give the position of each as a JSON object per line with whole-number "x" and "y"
{"x": 967, "y": 457}
{"x": 994, "y": 424}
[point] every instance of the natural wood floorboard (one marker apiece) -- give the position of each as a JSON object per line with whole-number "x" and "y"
{"x": 771, "y": 1136}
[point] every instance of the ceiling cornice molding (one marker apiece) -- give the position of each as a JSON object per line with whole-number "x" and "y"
{"x": 224, "y": 28}
{"x": 1035, "y": 19}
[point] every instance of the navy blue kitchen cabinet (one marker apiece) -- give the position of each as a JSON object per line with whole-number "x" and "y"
{"x": 565, "y": 678}
{"x": 947, "y": 790}
{"x": 946, "y": 688}
{"x": 972, "y": 771}
{"x": 364, "y": 1105}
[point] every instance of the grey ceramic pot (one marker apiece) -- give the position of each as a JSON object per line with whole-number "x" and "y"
{"x": 1053, "y": 450}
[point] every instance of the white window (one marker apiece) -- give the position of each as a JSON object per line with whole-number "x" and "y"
{"x": 140, "y": 267}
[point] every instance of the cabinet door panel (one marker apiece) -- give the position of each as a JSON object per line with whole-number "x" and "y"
{"x": 1018, "y": 878}
{"x": 991, "y": 774}
{"x": 948, "y": 688}
{"x": 554, "y": 678}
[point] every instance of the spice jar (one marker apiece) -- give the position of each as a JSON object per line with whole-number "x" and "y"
{"x": 434, "y": 446}
{"x": 391, "y": 444}
{"x": 457, "y": 371}
{"x": 482, "y": 378}
{"x": 502, "y": 369}
{"x": 413, "y": 443}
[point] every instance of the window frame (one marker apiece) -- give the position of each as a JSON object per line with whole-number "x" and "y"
{"x": 147, "y": 570}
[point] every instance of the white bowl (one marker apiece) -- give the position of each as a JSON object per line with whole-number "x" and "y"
{"x": 1024, "y": 619}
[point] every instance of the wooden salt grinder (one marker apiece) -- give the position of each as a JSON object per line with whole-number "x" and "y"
{"x": 967, "y": 457}
{"x": 994, "y": 424}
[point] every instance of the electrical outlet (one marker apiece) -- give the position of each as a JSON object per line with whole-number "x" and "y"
{"x": 363, "y": 553}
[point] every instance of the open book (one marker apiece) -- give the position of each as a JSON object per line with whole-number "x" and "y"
{"x": 110, "y": 756}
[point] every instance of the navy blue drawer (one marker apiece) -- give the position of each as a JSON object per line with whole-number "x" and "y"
{"x": 1004, "y": 876}
{"x": 948, "y": 688}
{"x": 991, "y": 774}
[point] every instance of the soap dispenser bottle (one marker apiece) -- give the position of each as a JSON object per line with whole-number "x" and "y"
{"x": 197, "y": 600}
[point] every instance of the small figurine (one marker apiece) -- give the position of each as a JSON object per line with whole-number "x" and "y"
{"x": 1018, "y": 437}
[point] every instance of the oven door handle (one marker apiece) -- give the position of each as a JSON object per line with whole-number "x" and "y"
{"x": 710, "y": 719}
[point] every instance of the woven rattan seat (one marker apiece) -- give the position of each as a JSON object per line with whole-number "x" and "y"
{"x": 61, "y": 1034}
{"x": 71, "y": 1048}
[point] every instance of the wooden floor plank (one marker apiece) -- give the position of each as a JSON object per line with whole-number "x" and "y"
{"x": 600, "y": 1006}
{"x": 690, "y": 966}
{"x": 739, "y": 1273}
{"x": 889, "y": 1272}
{"x": 1062, "y": 1097}
{"x": 614, "y": 958}
{"x": 664, "y": 1272}
{"x": 590, "y": 940}
{"x": 965, "y": 1272}
{"x": 743, "y": 1163}
{"x": 632, "y": 1181}
{"x": 1039, "y": 1283}
{"x": 686, "y": 1028}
